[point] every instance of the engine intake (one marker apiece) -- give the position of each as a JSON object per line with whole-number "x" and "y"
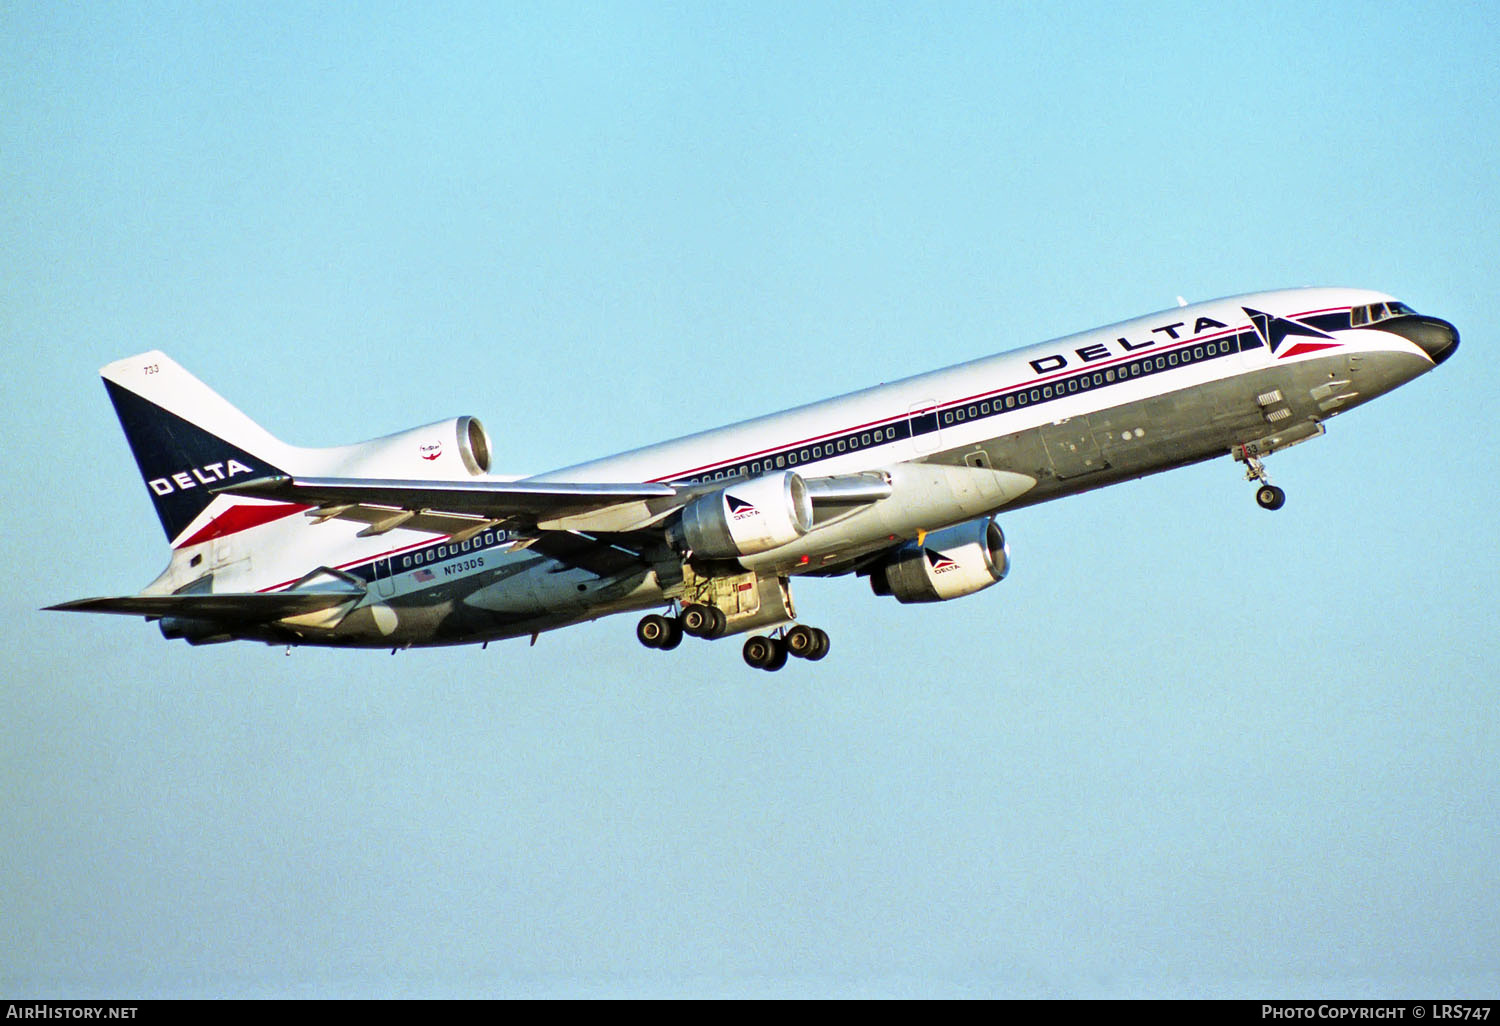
{"x": 451, "y": 449}
{"x": 745, "y": 519}
{"x": 948, "y": 564}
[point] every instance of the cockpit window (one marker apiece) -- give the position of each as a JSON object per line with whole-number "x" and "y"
{"x": 1376, "y": 312}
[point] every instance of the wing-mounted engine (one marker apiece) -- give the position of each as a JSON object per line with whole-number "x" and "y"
{"x": 743, "y": 519}
{"x": 946, "y": 564}
{"x": 451, "y": 449}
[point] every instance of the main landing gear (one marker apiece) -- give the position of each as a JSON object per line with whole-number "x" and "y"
{"x": 1267, "y": 495}
{"x": 665, "y": 632}
{"x": 802, "y": 641}
{"x": 702, "y": 621}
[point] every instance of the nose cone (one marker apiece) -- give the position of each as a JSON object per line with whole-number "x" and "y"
{"x": 1437, "y": 338}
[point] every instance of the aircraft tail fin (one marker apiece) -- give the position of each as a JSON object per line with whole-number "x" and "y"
{"x": 187, "y": 439}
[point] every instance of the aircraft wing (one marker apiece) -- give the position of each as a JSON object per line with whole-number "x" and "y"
{"x": 463, "y": 507}
{"x": 385, "y": 504}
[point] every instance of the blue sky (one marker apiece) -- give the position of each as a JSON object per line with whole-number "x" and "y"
{"x": 1187, "y": 748}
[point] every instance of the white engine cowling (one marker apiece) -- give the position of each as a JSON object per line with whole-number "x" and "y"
{"x": 747, "y": 518}
{"x": 950, "y": 563}
{"x": 451, "y": 449}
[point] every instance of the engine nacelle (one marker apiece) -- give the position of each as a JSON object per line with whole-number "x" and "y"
{"x": 747, "y": 518}
{"x": 451, "y": 449}
{"x": 950, "y": 563}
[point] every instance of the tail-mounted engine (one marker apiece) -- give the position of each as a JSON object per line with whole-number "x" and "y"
{"x": 451, "y": 449}
{"x": 947, "y": 564}
{"x": 744, "y": 519}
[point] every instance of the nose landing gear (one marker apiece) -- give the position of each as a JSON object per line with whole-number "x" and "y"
{"x": 1267, "y": 495}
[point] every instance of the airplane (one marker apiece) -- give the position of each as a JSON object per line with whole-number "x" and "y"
{"x": 409, "y": 540}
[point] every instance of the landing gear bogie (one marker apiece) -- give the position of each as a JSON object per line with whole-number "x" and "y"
{"x": 771, "y": 653}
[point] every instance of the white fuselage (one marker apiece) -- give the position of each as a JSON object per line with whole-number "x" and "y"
{"x": 1022, "y": 427}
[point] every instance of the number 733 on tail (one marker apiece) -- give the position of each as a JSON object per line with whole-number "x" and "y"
{"x": 411, "y": 539}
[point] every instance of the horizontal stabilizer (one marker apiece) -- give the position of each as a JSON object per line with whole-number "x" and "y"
{"x": 244, "y": 608}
